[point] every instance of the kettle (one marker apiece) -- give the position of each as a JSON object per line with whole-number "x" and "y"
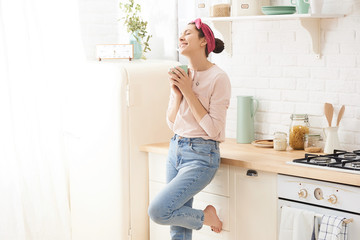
{"x": 246, "y": 109}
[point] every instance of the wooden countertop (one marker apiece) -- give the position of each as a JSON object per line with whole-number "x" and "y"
{"x": 267, "y": 159}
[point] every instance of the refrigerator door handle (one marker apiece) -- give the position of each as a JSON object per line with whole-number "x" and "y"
{"x": 128, "y": 95}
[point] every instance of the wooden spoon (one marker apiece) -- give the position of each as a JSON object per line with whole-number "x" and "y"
{"x": 329, "y": 111}
{"x": 341, "y": 113}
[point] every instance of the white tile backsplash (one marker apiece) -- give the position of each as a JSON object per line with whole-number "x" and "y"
{"x": 283, "y": 74}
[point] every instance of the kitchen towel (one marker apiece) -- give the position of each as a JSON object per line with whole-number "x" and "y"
{"x": 315, "y": 234}
{"x": 296, "y": 224}
{"x": 333, "y": 228}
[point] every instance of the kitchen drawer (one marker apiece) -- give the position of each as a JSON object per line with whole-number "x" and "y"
{"x": 219, "y": 185}
{"x": 206, "y": 234}
{"x": 221, "y": 203}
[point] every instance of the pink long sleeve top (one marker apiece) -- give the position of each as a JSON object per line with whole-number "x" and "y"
{"x": 213, "y": 89}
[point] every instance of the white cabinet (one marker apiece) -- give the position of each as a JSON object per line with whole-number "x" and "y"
{"x": 217, "y": 193}
{"x": 245, "y": 204}
{"x": 256, "y": 201}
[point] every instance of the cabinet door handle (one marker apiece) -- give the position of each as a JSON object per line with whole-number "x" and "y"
{"x": 252, "y": 173}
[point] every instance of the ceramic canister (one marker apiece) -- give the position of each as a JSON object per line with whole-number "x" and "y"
{"x": 248, "y": 7}
{"x": 302, "y": 6}
{"x": 246, "y": 109}
{"x": 332, "y": 140}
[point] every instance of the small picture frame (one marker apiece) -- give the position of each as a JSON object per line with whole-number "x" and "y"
{"x": 115, "y": 51}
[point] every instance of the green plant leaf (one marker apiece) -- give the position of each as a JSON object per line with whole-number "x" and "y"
{"x": 134, "y": 23}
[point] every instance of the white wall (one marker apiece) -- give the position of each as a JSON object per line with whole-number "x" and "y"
{"x": 272, "y": 61}
{"x": 100, "y": 25}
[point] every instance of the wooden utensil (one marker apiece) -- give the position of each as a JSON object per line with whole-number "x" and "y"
{"x": 341, "y": 113}
{"x": 329, "y": 111}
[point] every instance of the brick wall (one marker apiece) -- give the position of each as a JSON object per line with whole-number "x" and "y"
{"x": 272, "y": 61}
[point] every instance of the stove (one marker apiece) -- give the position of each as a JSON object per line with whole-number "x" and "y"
{"x": 338, "y": 161}
{"x": 322, "y": 198}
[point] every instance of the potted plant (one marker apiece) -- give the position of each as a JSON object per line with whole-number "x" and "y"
{"x": 136, "y": 27}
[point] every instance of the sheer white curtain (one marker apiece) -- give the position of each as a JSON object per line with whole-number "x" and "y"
{"x": 39, "y": 44}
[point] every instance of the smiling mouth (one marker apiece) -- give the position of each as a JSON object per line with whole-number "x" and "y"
{"x": 182, "y": 45}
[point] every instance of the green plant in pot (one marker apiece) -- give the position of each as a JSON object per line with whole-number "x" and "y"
{"x": 136, "y": 27}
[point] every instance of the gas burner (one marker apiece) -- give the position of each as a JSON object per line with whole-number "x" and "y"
{"x": 321, "y": 160}
{"x": 348, "y": 156}
{"x": 340, "y": 160}
{"x": 355, "y": 165}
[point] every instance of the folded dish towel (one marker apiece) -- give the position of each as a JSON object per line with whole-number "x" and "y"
{"x": 315, "y": 234}
{"x": 333, "y": 228}
{"x": 296, "y": 224}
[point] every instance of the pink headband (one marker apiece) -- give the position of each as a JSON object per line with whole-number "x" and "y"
{"x": 209, "y": 36}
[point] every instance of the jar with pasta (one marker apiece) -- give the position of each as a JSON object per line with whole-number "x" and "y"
{"x": 298, "y": 128}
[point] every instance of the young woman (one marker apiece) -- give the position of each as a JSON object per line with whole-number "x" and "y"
{"x": 196, "y": 113}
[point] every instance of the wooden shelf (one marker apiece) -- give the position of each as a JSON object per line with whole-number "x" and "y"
{"x": 310, "y": 22}
{"x": 272, "y": 17}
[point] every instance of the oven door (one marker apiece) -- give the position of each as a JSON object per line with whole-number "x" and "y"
{"x": 353, "y": 227}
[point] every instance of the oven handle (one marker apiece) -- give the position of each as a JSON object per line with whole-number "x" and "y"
{"x": 346, "y": 221}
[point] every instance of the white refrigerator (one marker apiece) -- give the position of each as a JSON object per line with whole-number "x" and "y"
{"x": 108, "y": 115}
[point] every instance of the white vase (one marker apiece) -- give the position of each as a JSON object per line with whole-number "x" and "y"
{"x": 332, "y": 140}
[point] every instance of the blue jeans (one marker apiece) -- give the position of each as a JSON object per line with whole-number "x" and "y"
{"x": 192, "y": 164}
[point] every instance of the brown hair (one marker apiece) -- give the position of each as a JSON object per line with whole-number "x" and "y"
{"x": 219, "y": 44}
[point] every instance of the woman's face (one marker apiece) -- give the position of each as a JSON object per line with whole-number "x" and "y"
{"x": 190, "y": 43}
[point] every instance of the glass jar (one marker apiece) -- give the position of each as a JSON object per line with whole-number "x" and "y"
{"x": 220, "y": 8}
{"x": 298, "y": 128}
{"x": 313, "y": 143}
{"x": 280, "y": 143}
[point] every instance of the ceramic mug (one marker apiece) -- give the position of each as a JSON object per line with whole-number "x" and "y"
{"x": 302, "y": 6}
{"x": 185, "y": 68}
{"x": 316, "y": 6}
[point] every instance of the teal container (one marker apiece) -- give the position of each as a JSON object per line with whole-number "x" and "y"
{"x": 137, "y": 45}
{"x": 246, "y": 110}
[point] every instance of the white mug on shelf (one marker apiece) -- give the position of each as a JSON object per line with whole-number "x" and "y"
{"x": 316, "y": 6}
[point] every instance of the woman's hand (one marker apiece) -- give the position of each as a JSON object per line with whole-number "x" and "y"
{"x": 181, "y": 80}
{"x": 173, "y": 87}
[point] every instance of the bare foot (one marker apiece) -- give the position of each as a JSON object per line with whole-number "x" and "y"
{"x": 211, "y": 219}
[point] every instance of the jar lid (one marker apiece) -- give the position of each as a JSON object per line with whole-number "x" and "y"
{"x": 318, "y": 136}
{"x": 280, "y": 135}
{"x": 299, "y": 117}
